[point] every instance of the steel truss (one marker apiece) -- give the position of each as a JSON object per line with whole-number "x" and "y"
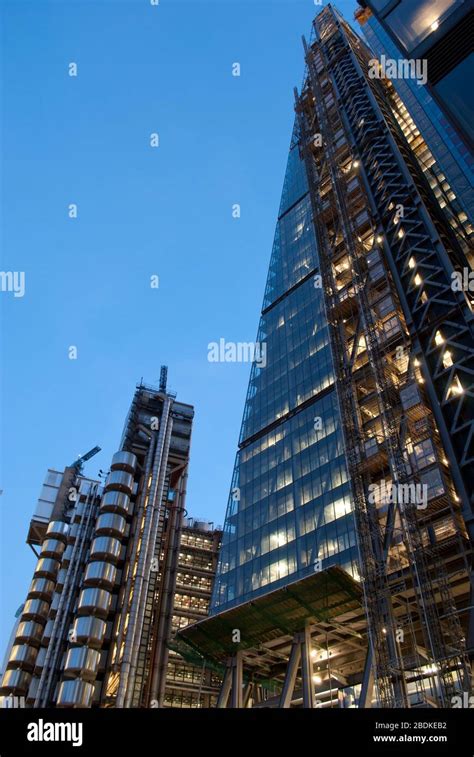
{"x": 411, "y": 257}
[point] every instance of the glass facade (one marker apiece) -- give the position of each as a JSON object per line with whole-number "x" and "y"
{"x": 438, "y": 33}
{"x": 289, "y": 511}
{"x": 458, "y": 97}
{"x": 446, "y": 146}
{"x": 188, "y": 684}
{"x": 412, "y": 22}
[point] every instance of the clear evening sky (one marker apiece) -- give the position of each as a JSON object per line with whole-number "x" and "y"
{"x": 141, "y": 211}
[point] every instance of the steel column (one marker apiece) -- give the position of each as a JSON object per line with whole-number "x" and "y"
{"x": 223, "y": 697}
{"x": 291, "y": 671}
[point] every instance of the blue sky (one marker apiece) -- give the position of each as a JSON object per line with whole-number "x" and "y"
{"x": 141, "y": 212}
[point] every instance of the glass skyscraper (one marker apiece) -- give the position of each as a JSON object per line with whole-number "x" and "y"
{"x": 354, "y": 469}
{"x": 289, "y": 511}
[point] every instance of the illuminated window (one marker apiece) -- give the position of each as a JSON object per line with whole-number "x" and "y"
{"x": 439, "y": 338}
{"x": 423, "y": 453}
{"x": 391, "y": 327}
{"x": 432, "y": 479}
{"x": 456, "y": 388}
{"x": 447, "y": 359}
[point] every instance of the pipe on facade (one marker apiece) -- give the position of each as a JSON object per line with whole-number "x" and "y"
{"x": 160, "y": 656}
{"x": 93, "y": 663}
{"x": 142, "y": 576}
{"x": 66, "y": 594}
{"x": 148, "y": 432}
{"x": 134, "y": 548}
{"x": 40, "y": 620}
{"x": 161, "y": 471}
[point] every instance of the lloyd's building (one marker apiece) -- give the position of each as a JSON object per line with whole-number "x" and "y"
{"x": 345, "y": 570}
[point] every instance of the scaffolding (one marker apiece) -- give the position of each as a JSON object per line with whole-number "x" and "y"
{"x": 412, "y": 617}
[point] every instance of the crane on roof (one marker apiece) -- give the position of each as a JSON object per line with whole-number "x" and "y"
{"x": 79, "y": 463}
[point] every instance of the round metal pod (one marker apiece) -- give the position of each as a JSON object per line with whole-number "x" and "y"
{"x": 125, "y": 461}
{"x": 16, "y": 681}
{"x": 36, "y": 609}
{"x": 119, "y": 481}
{"x": 111, "y": 524}
{"x": 22, "y": 656}
{"x": 105, "y": 548}
{"x": 46, "y": 567}
{"x": 52, "y": 548}
{"x": 41, "y": 588}
{"x": 116, "y": 502}
{"x": 94, "y": 601}
{"x": 102, "y": 574}
{"x": 57, "y": 529}
{"x": 83, "y": 662}
{"x": 29, "y": 632}
{"x": 75, "y": 693}
{"x": 89, "y": 630}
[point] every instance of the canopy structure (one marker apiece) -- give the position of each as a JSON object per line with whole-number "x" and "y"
{"x": 324, "y": 601}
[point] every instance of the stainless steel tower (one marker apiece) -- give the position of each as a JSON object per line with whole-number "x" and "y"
{"x": 98, "y": 615}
